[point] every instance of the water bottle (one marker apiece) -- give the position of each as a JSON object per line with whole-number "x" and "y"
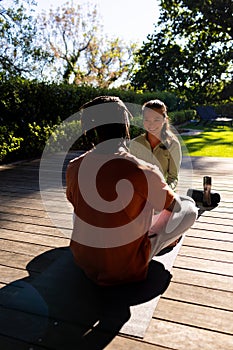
{"x": 207, "y": 191}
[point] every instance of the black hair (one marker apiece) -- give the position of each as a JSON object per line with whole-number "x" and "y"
{"x": 104, "y": 118}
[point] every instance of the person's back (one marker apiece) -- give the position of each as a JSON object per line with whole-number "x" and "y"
{"x": 110, "y": 237}
{"x": 114, "y": 196}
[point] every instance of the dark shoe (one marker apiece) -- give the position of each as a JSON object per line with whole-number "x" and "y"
{"x": 169, "y": 247}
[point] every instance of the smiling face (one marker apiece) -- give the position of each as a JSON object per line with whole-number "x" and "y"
{"x": 153, "y": 121}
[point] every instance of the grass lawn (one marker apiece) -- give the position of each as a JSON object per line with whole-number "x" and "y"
{"x": 211, "y": 142}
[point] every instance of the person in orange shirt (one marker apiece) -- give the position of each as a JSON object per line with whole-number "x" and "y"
{"x": 114, "y": 196}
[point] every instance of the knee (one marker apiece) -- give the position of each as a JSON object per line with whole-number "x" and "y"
{"x": 191, "y": 212}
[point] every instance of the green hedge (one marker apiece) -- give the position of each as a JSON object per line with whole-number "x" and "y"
{"x": 180, "y": 117}
{"x": 30, "y": 112}
{"x": 23, "y": 102}
{"x": 225, "y": 109}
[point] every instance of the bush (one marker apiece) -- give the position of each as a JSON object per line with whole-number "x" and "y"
{"x": 180, "y": 117}
{"x": 170, "y": 100}
{"x": 8, "y": 141}
{"x": 31, "y": 111}
{"x": 226, "y": 109}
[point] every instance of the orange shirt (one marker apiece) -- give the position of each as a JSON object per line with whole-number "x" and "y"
{"x": 114, "y": 197}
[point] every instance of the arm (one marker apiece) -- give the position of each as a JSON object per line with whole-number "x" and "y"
{"x": 174, "y": 164}
{"x": 133, "y": 148}
{"x": 72, "y": 181}
{"x": 69, "y": 192}
{"x": 160, "y": 195}
{"x": 175, "y": 205}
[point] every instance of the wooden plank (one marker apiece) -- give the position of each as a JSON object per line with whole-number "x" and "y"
{"x": 35, "y": 195}
{"x": 209, "y": 243}
{"x": 221, "y": 236}
{"x": 203, "y": 317}
{"x": 25, "y": 227}
{"x": 9, "y": 188}
{"x": 202, "y": 278}
{"x": 217, "y": 214}
{"x": 123, "y": 343}
{"x": 34, "y": 238}
{"x": 217, "y": 226}
{"x": 32, "y": 204}
{"x": 205, "y": 232}
{"x": 15, "y": 260}
{"x": 184, "y": 336}
{"x": 223, "y": 207}
{"x": 46, "y": 333}
{"x": 22, "y": 180}
{"x": 19, "y": 210}
{"x": 7, "y": 343}
{"x": 207, "y": 253}
{"x": 213, "y": 219}
{"x": 218, "y": 186}
{"x": 21, "y": 261}
{"x": 35, "y": 217}
{"x": 9, "y": 274}
{"x": 211, "y": 266}
{"x": 196, "y": 310}
{"x": 19, "y": 202}
{"x": 13, "y": 210}
{"x": 40, "y": 221}
{"x": 199, "y": 295}
{"x": 196, "y": 181}
{"x": 31, "y": 192}
{"x": 23, "y": 248}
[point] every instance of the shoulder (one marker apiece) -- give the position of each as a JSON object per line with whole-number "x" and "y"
{"x": 143, "y": 165}
{"x": 175, "y": 143}
{"x": 76, "y": 160}
{"x": 141, "y": 139}
{"x": 74, "y": 164}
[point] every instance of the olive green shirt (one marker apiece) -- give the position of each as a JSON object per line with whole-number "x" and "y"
{"x": 168, "y": 160}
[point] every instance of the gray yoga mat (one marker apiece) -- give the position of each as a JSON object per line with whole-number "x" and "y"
{"x": 57, "y": 306}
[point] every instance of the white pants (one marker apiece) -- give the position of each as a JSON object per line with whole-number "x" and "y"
{"x": 167, "y": 227}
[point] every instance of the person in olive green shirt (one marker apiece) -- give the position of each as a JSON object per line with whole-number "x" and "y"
{"x": 158, "y": 145}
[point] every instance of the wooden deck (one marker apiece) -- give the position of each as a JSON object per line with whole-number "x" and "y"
{"x": 195, "y": 312}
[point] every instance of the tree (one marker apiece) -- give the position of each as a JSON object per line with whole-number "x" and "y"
{"x": 107, "y": 61}
{"x": 190, "y": 51}
{"x": 73, "y": 36}
{"x": 18, "y": 54}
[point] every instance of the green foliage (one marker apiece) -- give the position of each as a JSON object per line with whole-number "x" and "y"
{"x": 23, "y": 102}
{"x": 8, "y": 142}
{"x": 212, "y": 142}
{"x": 36, "y": 138}
{"x": 37, "y": 112}
{"x": 180, "y": 117}
{"x": 65, "y": 44}
{"x": 190, "y": 51}
{"x": 225, "y": 109}
{"x": 136, "y": 126}
{"x": 170, "y": 99}
{"x": 21, "y": 52}
{"x": 67, "y": 135}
